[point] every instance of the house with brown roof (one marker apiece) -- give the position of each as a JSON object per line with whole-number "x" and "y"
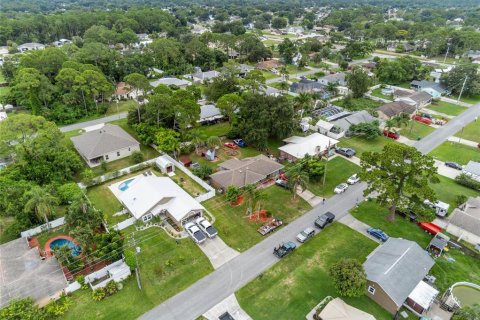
{"x": 241, "y": 172}
{"x": 393, "y": 109}
{"x": 418, "y": 99}
{"x": 123, "y": 91}
{"x": 107, "y": 143}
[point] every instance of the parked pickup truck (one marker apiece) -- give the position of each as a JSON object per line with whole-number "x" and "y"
{"x": 284, "y": 249}
{"x": 206, "y": 227}
{"x": 195, "y": 233}
{"x": 270, "y": 226}
{"x": 424, "y": 120}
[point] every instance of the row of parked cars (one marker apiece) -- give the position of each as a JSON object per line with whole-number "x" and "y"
{"x": 200, "y": 229}
{"x": 321, "y": 222}
{"x": 342, "y": 187}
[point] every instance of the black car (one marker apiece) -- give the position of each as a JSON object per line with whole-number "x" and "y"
{"x": 322, "y": 221}
{"x": 454, "y": 165}
{"x": 347, "y": 152}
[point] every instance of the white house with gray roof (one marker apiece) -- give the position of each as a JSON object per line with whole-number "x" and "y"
{"x": 107, "y": 143}
{"x": 464, "y": 222}
{"x": 472, "y": 169}
{"x": 394, "y": 270}
{"x": 169, "y": 81}
{"x": 30, "y": 46}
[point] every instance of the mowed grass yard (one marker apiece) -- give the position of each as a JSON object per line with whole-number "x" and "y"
{"x": 378, "y": 93}
{"x": 470, "y": 132}
{"x": 452, "y": 151}
{"x": 446, "y": 108}
{"x": 447, "y": 189}
{"x": 447, "y": 271}
{"x": 238, "y": 231}
{"x": 219, "y": 129}
{"x": 166, "y": 268}
{"x": 362, "y": 145}
{"x": 338, "y": 171}
{"x": 298, "y": 282}
{"x": 416, "y": 130}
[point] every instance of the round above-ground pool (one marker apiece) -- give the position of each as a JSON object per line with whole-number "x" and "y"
{"x": 61, "y": 242}
{"x": 124, "y": 185}
{"x": 465, "y": 294}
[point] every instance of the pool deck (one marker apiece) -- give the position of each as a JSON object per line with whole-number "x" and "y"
{"x": 48, "y": 250}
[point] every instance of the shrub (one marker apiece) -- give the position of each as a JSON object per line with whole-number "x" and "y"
{"x": 59, "y": 307}
{"x": 137, "y": 157}
{"x": 232, "y": 193}
{"x": 99, "y": 294}
{"x": 69, "y": 192}
{"x": 468, "y": 182}
{"x": 460, "y": 199}
{"x": 104, "y": 165}
{"x": 130, "y": 259}
{"x": 349, "y": 277}
{"x": 203, "y": 172}
{"x": 111, "y": 288}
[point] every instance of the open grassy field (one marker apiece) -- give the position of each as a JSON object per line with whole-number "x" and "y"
{"x": 338, "y": 171}
{"x": 362, "y": 145}
{"x": 452, "y": 151}
{"x": 294, "y": 69}
{"x": 416, "y": 130}
{"x": 121, "y": 106}
{"x": 269, "y": 75}
{"x": 166, "y": 268}
{"x": 470, "y": 132}
{"x": 237, "y": 230}
{"x": 472, "y": 99}
{"x": 446, "y": 108}
{"x": 378, "y": 93}
{"x": 293, "y": 286}
{"x": 219, "y": 129}
{"x": 459, "y": 267}
{"x": 278, "y": 85}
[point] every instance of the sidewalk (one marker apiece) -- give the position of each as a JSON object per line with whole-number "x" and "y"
{"x": 437, "y": 113}
{"x": 463, "y": 141}
{"x": 454, "y": 101}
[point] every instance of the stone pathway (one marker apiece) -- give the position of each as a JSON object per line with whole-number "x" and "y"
{"x": 230, "y": 305}
{"x": 357, "y": 225}
{"x": 463, "y": 141}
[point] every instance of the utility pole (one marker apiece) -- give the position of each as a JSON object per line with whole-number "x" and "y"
{"x": 325, "y": 169}
{"x": 137, "y": 251}
{"x": 463, "y": 87}
{"x": 446, "y": 54}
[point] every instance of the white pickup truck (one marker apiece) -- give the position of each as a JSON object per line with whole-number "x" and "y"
{"x": 206, "y": 227}
{"x": 195, "y": 233}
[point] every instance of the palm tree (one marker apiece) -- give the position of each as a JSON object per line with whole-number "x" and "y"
{"x": 284, "y": 73}
{"x": 390, "y": 124}
{"x": 41, "y": 202}
{"x": 196, "y": 139}
{"x": 402, "y": 120}
{"x": 297, "y": 178}
{"x": 252, "y": 194}
{"x": 213, "y": 142}
{"x": 302, "y": 102}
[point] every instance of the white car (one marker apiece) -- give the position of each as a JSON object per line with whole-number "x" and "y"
{"x": 206, "y": 227}
{"x": 353, "y": 179}
{"x": 195, "y": 233}
{"x": 341, "y": 188}
{"x": 305, "y": 235}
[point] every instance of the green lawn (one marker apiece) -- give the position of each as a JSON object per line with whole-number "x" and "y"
{"x": 446, "y": 108}
{"x": 378, "y": 93}
{"x": 355, "y": 104}
{"x": 470, "y": 132}
{"x": 462, "y": 268}
{"x": 416, "y": 130}
{"x": 278, "y": 85}
{"x": 338, "y": 171}
{"x": 234, "y": 226}
{"x": 294, "y": 69}
{"x": 362, "y": 145}
{"x": 297, "y": 283}
{"x": 4, "y": 91}
{"x": 166, "y": 268}
{"x": 448, "y": 189}
{"x": 122, "y": 106}
{"x": 472, "y": 99}
{"x": 184, "y": 181}
{"x": 452, "y": 151}
{"x": 219, "y": 129}
{"x": 269, "y": 75}
{"x": 2, "y": 78}
{"x": 7, "y": 235}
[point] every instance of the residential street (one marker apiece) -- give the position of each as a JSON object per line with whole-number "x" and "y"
{"x": 212, "y": 289}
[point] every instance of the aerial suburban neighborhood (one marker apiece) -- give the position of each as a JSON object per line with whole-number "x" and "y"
{"x": 240, "y": 160}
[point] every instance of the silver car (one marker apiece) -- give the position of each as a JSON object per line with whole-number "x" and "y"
{"x": 305, "y": 235}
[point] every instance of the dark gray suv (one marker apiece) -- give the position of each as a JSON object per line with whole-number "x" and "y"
{"x": 322, "y": 221}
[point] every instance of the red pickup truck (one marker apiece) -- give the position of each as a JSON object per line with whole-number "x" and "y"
{"x": 391, "y": 134}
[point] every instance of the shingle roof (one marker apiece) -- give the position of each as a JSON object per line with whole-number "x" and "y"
{"x": 472, "y": 167}
{"x": 398, "y": 266}
{"x": 307, "y": 85}
{"x": 239, "y": 173}
{"x": 170, "y": 81}
{"x": 209, "y": 111}
{"x": 468, "y": 218}
{"x": 107, "y": 139}
{"x": 313, "y": 144}
{"x": 392, "y": 109}
{"x": 429, "y": 84}
{"x": 355, "y": 118}
{"x": 420, "y": 97}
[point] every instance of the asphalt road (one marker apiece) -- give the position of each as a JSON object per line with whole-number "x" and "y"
{"x": 212, "y": 289}
{"x": 81, "y": 125}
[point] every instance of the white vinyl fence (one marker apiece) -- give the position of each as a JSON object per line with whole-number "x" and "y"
{"x": 44, "y": 227}
{"x": 210, "y": 190}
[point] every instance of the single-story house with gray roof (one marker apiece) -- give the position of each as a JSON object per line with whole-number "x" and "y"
{"x": 240, "y": 173}
{"x": 200, "y": 77}
{"x": 418, "y": 99}
{"x": 435, "y": 89}
{"x": 30, "y": 46}
{"x": 355, "y": 118}
{"x": 393, "y": 109}
{"x": 171, "y": 82}
{"x": 107, "y": 143}
{"x": 209, "y": 113}
{"x": 464, "y": 222}
{"x": 472, "y": 169}
{"x": 394, "y": 270}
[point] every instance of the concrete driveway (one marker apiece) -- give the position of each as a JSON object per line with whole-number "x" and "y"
{"x": 357, "y": 225}
{"x": 230, "y": 305}
{"x": 445, "y": 171}
{"x": 217, "y": 251}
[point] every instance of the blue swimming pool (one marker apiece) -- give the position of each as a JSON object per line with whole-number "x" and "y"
{"x": 57, "y": 243}
{"x": 124, "y": 185}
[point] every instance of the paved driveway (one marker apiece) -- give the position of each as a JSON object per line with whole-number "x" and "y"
{"x": 357, "y": 225}
{"x": 217, "y": 251}
{"x": 445, "y": 171}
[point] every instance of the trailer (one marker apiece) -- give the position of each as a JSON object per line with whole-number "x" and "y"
{"x": 270, "y": 226}
{"x": 430, "y": 227}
